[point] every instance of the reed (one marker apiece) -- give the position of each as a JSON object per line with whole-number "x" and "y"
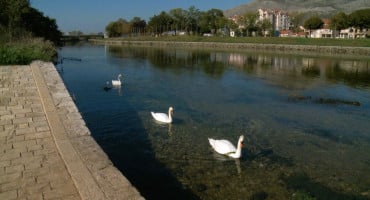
{"x": 26, "y": 50}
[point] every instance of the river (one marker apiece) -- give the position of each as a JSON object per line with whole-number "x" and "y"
{"x": 305, "y": 120}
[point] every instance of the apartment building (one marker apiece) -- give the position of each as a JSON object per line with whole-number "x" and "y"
{"x": 279, "y": 19}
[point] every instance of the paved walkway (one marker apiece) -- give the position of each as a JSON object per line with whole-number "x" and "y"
{"x": 46, "y": 151}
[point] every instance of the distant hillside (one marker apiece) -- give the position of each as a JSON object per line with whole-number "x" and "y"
{"x": 323, "y": 8}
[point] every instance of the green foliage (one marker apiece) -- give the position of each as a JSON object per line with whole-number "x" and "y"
{"x": 11, "y": 14}
{"x": 339, "y": 21}
{"x": 250, "y": 20}
{"x": 360, "y": 18}
{"x": 25, "y": 51}
{"x": 118, "y": 28}
{"x": 264, "y": 25}
{"x": 211, "y": 21}
{"x": 160, "y": 23}
{"x": 41, "y": 26}
{"x": 18, "y": 20}
{"x": 313, "y": 23}
{"x": 196, "y": 22}
{"x": 137, "y": 26}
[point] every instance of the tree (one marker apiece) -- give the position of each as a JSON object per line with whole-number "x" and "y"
{"x": 178, "y": 16}
{"x": 339, "y": 21}
{"x": 160, "y": 23}
{"x": 211, "y": 21}
{"x": 231, "y": 25}
{"x": 313, "y": 23}
{"x": 137, "y": 26}
{"x": 11, "y": 14}
{"x": 297, "y": 20}
{"x": 118, "y": 28}
{"x": 360, "y": 19}
{"x": 192, "y": 18}
{"x": 250, "y": 20}
{"x": 35, "y": 22}
{"x": 265, "y": 25}
{"x": 18, "y": 19}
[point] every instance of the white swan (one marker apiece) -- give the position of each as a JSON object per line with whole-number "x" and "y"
{"x": 163, "y": 117}
{"x": 118, "y": 81}
{"x": 226, "y": 148}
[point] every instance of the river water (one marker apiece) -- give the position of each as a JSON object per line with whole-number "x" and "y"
{"x": 305, "y": 120}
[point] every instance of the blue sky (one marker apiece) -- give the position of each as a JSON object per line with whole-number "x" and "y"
{"x": 91, "y": 16}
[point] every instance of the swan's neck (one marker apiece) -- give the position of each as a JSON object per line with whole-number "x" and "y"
{"x": 170, "y": 115}
{"x": 238, "y": 152}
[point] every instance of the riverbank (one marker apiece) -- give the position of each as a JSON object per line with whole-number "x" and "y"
{"x": 46, "y": 150}
{"x": 280, "y": 48}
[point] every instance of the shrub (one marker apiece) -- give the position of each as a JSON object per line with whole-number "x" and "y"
{"x": 26, "y": 50}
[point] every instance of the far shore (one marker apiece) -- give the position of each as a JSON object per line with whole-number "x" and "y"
{"x": 356, "y": 51}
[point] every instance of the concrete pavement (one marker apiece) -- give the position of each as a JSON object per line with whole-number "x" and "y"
{"x": 46, "y": 151}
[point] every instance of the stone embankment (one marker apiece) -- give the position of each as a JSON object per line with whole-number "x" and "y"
{"x": 46, "y": 150}
{"x": 280, "y": 48}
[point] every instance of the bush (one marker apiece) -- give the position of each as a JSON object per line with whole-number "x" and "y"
{"x": 26, "y": 50}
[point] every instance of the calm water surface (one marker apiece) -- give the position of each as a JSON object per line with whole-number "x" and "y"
{"x": 305, "y": 120}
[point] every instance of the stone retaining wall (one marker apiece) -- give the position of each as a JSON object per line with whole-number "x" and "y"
{"x": 330, "y": 50}
{"x": 107, "y": 177}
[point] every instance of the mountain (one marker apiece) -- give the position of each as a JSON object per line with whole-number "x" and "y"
{"x": 323, "y": 8}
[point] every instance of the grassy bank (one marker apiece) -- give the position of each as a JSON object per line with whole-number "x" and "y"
{"x": 258, "y": 40}
{"x": 24, "y": 51}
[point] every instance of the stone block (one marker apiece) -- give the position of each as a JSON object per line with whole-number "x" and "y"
{"x": 14, "y": 138}
{"x": 9, "y": 195}
{"x": 38, "y": 135}
{"x": 14, "y": 185}
{"x": 39, "y": 123}
{"x": 27, "y": 130}
{"x": 25, "y": 143}
{"x": 6, "y": 122}
{"x": 4, "y": 163}
{"x": 10, "y": 178}
{"x": 22, "y": 120}
{"x": 38, "y": 188}
{"x": 42, "y": 128}
{"x": 14, "y": 169}
{"x": 11, "y": 154}
{"x": 7, "y": 117}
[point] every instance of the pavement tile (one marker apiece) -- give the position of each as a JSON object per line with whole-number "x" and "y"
{"x": 6, "y": 178}
{"x": 9, "y": 195}
{"x": 32, "y": 163}
{"x": 14, "y": 169}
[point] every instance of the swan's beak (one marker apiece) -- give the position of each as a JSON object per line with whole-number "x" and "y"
{"x": 241, "y": 143}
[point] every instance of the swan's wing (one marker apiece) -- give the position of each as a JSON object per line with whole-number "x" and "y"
{"x": 115, "y": 82}
{"x": 222, "y": 146}
{"x": 160, "y": 117}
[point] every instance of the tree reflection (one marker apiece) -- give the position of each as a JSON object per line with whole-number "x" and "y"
{"x": 355, "y": 74}
{"x": 292, "y": 70}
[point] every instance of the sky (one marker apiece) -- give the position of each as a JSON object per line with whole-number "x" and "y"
{"x": 91, "y": 16}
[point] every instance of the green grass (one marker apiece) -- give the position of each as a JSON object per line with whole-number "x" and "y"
{"x": 25, "y": 51}
{"x": 258, "y": 40}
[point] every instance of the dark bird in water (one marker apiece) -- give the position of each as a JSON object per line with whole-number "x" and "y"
{"x": 107, "y": 86}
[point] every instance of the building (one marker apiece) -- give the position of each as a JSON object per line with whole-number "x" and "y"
{"x": 280, "y": 20}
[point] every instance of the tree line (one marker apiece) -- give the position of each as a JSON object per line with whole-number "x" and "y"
{"x": 195, "y": 22}
{"x": 359, "y": 19}
{"x": 192, "y": 21}
{"x": 19, "y": 20}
